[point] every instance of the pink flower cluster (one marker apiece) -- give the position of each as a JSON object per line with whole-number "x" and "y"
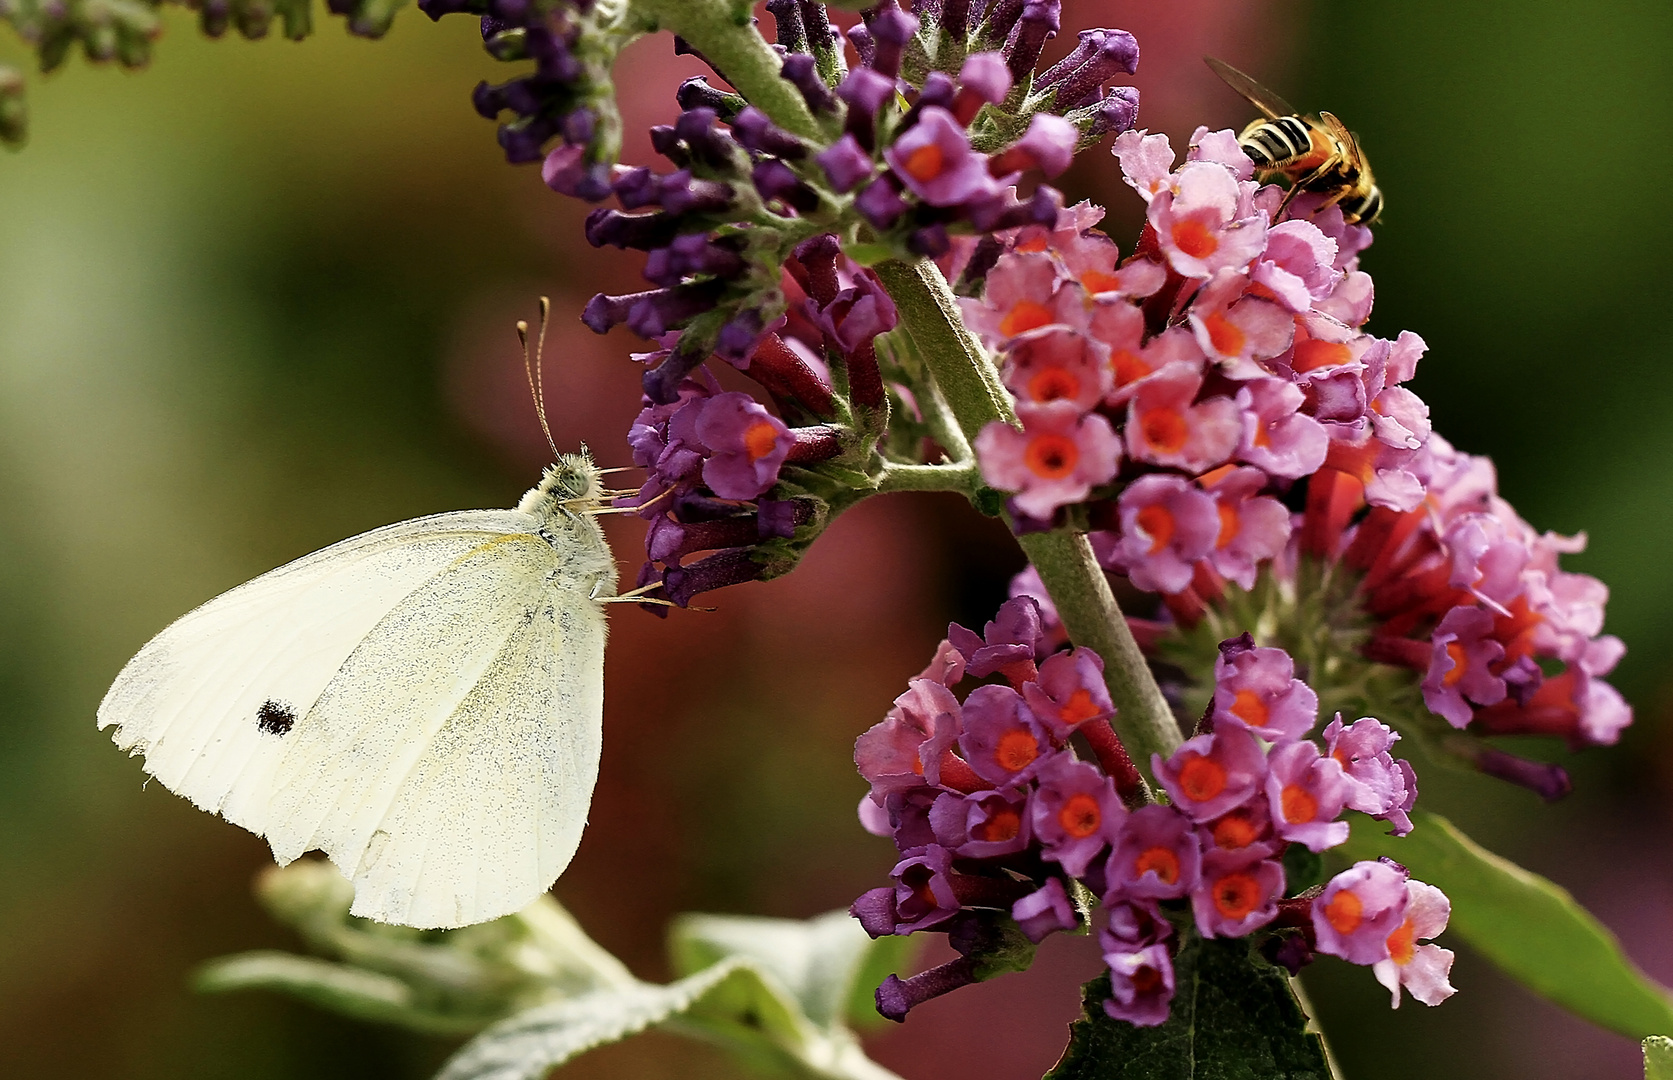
{"x": 992, "y": 809}
{"x": 1184, "y": 392}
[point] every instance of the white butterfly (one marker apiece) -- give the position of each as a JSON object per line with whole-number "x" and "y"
{"x": 422, "y": 703}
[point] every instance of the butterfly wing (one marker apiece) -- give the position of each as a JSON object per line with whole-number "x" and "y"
{"x": 276, "y": 696}
{"x": 448, "y": 767}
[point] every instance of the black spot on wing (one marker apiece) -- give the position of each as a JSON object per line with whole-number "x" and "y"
{"x": 275, "y": 717}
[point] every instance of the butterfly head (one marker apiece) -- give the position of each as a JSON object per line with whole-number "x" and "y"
{"x": 573, "y": 481}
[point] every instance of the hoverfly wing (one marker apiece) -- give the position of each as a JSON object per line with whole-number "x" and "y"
{"x": 1269, "y": 103}
{"x": 1352, "y": 158}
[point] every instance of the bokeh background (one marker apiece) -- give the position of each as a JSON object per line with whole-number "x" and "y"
{"x": 260, "y": 298}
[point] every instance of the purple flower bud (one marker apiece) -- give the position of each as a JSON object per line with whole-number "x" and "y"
{"x": 697, "y": 128}
{"x": 865, "y": 91}
{"x": 776, "y": 180}
{"x": 678, "y": 193}
{"x": 985, "y": 75}
{"x": 891, "y": 28}
{"x": 1038, "y": 24}
{"x": 1045, "y": 911}
{"x": 864, "y": 44}
{"x": 931, "y": 241}
{"x": 939, "y": 90}
{"x": 897, "y": 996}
{"x": 954, "y": 18}
{"x": 875, "y": 910}
{"x": 802, "y": 72}
{"x": 1118, "y": 112}
{"x": 845, "y": 163}
{"x": 730, "y": 567}
{"x": 1008, "y": 644}
{"x": 1141, "y": 984}
{"x": 690, "y": 255}
{"x": 1549, "y": 782}
{"x": 567, "y": 172}
{"x": 755, "y": 132}
{"x": 641, "y": 231}
{"x": 1079, "y": 77}
{"x": 669, "y": 541}
{"x": 738, "y": 338}
{"x": 880, "y": 203}
{"x": 1048, "y": 145}
{"x": 696, "y": 93}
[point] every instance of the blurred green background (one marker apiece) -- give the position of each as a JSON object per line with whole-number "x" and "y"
{"x": 260, "y": 298}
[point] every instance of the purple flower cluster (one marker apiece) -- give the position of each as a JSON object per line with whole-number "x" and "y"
{"x": 991, "y": 808}
{"x": 1192, "y": 393}
{"x": 714, "y": 459}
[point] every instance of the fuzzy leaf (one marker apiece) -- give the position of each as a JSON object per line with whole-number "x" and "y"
{"x": 364, "y": 995}
{"x": 1530, "y": 927}
{"x": 1658, "y": 1058}
{"x": 1234, "y": 1018}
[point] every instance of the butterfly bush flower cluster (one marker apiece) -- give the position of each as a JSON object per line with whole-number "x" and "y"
{"x": 995, "y": 813}
{"x": 1186, "y": 402}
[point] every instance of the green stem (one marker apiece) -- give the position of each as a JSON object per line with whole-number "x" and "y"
{"x": 971, "y": 386}
{"x": 723, "y": 33}
{"x": 962, "y": 478}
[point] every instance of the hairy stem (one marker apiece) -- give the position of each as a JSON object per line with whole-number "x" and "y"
{"x": 723, "y": 33}
{"x": 970, "y": 384}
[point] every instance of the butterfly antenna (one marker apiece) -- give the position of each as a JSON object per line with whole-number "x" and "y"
{"x": 533, "y": 367}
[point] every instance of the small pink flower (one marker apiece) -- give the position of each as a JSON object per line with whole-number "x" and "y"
{"x": 1220, "y": 147}
{"x": 1257, "y": 689}
{"x": 1306, "y": 793}
{"x": 1210, "y": 774}
{"x": 1022, "y": 293}
{"x": 1146, "y": 162}
{"x": 1236, "y": 330}
{"x": 1141, "y": 984}
{"x": 1488, "y": 557}
{"x": 1198, "y": 223}
{"x": 1045, "y": 911}
{"x": 1069, "y": 692}
{"x": 1377, "y": 784}
{"x": 934, "y": 160}
{"x": 1157, "y": 855}
{"x": 1276, "y": 437}
{"x": 1421, "y": 969}
{"x": 1058, "y": 458}
{"x": 1237, "y": 893}
{"x": 1296, "y": 267}
{"x": 748, "y": 445}
{"x": 1253, "y": 528}
{"x": 1461, "y": 668}
{"x": 1164, "y": 426}
{"x": 1167, "y": 524}
{"x": 981, "y": 824}
{"x": 1358, "y": 910}
{"x": 1075, "y": 813}
{"x": 894, "y": 754}
{"x": 1002, "y": 740}
{"x": 1056, "y": 363}
{"x": 1120, "y": 325}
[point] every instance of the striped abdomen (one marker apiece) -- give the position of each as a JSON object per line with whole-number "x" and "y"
{"x": 1274, "y": 144}
{"x": 1362, "y": 207}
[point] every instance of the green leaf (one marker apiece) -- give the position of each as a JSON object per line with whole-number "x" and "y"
{"x": 1658, "y": 1058}
{"x": 1234, "y": 1018}
{"x": 818, "y": 960}
{"x": 1530, "y": 927}
{"x": 364, "y": 995}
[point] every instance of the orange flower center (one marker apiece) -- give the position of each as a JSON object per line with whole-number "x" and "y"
{"x": 760, "y": 440}
{"x": 1080, "y": 816}
{"x": 1157, "y": 523}
{"x": 1201, "y": 778}
{"x": 1053, "y": 384}
{"x": 1080, "y": 706}
{"x": 1345, "y": 912}
{"x": 1230, "y": 523}
{"x": 1096, "y": 281}
{"x": 1400, "y": 947}
{"x": 1025, "y": 316}
{"x": 1298, "y": 804}
{"x": 1249, "y": 708}
{"x": 1052, "y": 457}
{"x": 1194, "y": 238}
{"x": 1016, "y": 750}
{"x": 1235, "y": 831}
{"x": 1160, "y": 861}
{"x": 1003, "y": 824}
{"x": 1226, "y": 336}
{"x": 1459, "y": 658}
{"x": 1312, "y": 354}
{"x": 1236, "y": 895}
{"x": 1165, "y": 429}
{"x": 1128, "y": 367}
{"x": 925, "y": 163}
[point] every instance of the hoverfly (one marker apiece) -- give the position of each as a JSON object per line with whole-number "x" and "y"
{"x": 1317, "y": 154}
